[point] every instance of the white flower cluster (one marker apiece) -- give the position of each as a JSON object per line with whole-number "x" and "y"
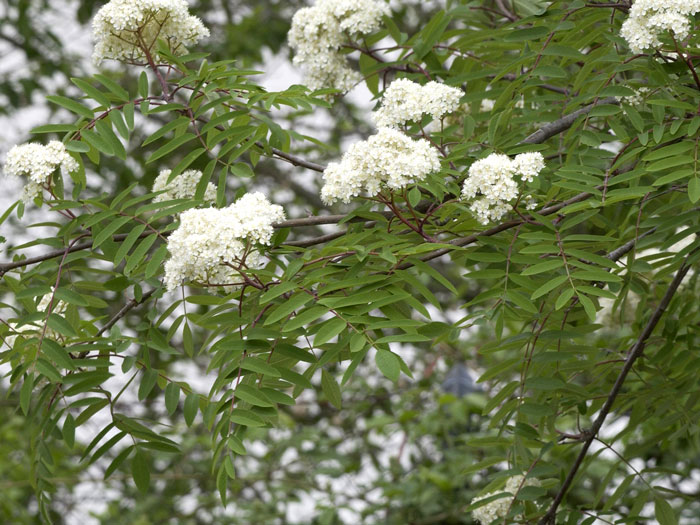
{"x": 387, "y": 159}
{"x": 184, "y": 186}
{"x": 405, "y": 100}
{"x": 486, "y": 105}
{"x": 211, "y": 244}
{"x": 649, "y": 18}
{"x": 123, "y": 29}
{"x": 492, "y": 178}
{"x": 59, "y": 307}
{"x": 318, "y": 33}
{"x": 499, "y": 508}
{"x": 637, "y": 99}
{"x": 38, "y": 162}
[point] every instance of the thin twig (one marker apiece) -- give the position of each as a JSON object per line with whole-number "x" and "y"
{"x": 634, "y": 353}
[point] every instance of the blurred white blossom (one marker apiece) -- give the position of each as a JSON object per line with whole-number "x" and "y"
{"x": 124, "y": 29}
{"x": 183, "y": 186}
{"x": 499, "y": 508}
{"x": 38, "y": 162}
{"x": 637, "y": 99}
{"x": 319, "y": 32}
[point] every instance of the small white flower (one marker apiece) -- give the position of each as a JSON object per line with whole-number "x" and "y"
{"x": 123, "y": 29}
{"x": 184, "y": 186}
{"x": 492, "y": 179}
{"x": 487, "y": 105}
{"x": 59, "y": 307}
{"x": 499, "y": 507}
{"x": 211, "y": 244}
{"x": 388, "y": 159}
{"x": 38, "y": 162}
{"x": 318, "y": 33}
{"x": 637, "y": 99}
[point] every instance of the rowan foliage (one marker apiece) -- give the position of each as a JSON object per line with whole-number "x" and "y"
{"x": 294, "y": 313}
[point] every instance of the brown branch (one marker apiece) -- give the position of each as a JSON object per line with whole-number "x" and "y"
{"x": 297, "y": 161}
{"x": 119, "y": 315}
{"x": 633, "y": 354}
{"x": 291, "y": 223}
{"x": 125, "y": 310}
{"x": 554, "y": 128}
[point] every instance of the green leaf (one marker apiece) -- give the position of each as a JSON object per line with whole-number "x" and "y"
{"x": 523, "y": 35}
{"x": 92, "y": 92}
{"x": 277, "y": 396}
{"x": 252, "y": 395}
{"x": 588, "y": 306}
{"x": 98, "y": 142}
{"x": 170, "y": 146}
{"x": 414, "y": 196}
{"x": 113, "y": 87}
{"x": 156, "y": 261}
{"x": 545, "y": 266}
{"x": 143, "y": 84}
{"x": 246, "y": 418}
{"x": 117, "y": 461}
{"x": 664, "y": 512}
{"x": 128, "y": 243}
{"x": 548, "y": 286}
{"x": 140, "y": 472}
{"x": 388, "y": 364}
{"x": 694, "y": 189}
{"x": 294, "y": 302}
{"x": 255, "y": 364}
{"x": 236, "y": 445}
{"x": 330, "y": 389}
{"x": 78, "y": 147}
{"x": 69, "y": 431}
{"x": 56, "y": 353}
{"x": 307, "y": 316}
{"x": 109, "y": 230}
{"x": 357, "y": 342}
{"x": 277, "y": 290}
{"x": 139, "y": 253}
{"x": 69, "y": 296}
{"x": 54, "y": 128}
{"x": 60, "y": 325}
{"x": 148, "y": 381}
{"x": 191, "y": 407}
{"x": 596, "y": 275}
{"x": 172, "y": 397}
{"x": 71, "y": 105}
{"x": 25, "y": 393}
{"x": 329, "y": 330}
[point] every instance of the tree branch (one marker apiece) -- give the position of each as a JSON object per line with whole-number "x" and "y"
{"x": 634, "y": 353}
{"x": 297, "y": 161}
{"x": 291, "y": 223}
{"x": 554, "y": 128}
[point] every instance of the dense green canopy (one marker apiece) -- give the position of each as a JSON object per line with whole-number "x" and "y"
{"x": 401, "y": 353}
